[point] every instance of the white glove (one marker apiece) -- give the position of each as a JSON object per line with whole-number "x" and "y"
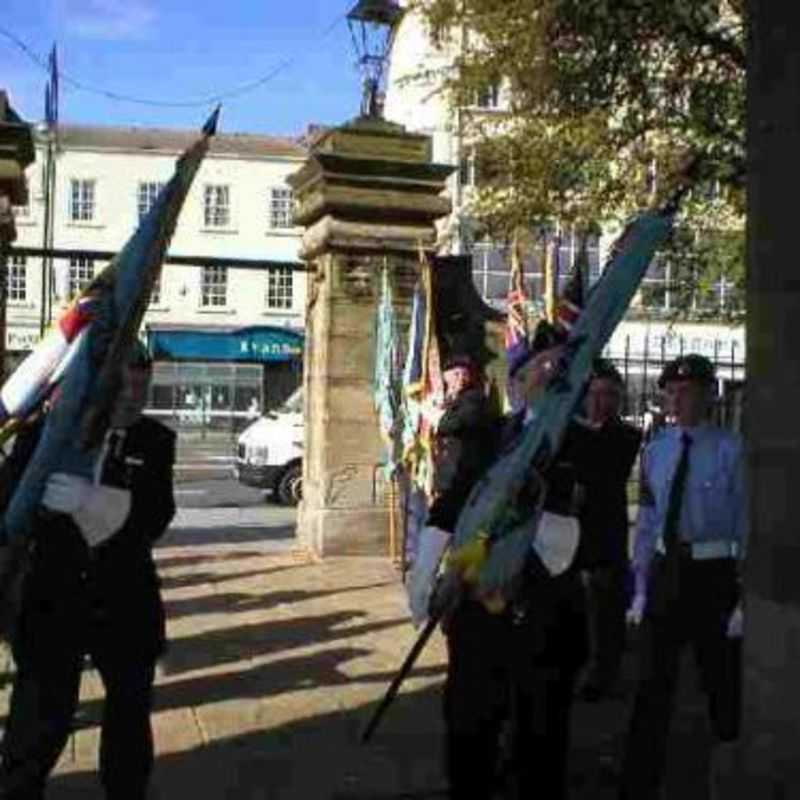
{"x": 66, "y": 493}
{"x": 433, "y": 542}
{"x": 99, "y": 511}
{"x": 735, "y": 623}
{"x": 556, "y": 542}
{"x": 634, "y": 615}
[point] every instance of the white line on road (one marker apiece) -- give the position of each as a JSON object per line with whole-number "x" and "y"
{"x": 190, "y": 491}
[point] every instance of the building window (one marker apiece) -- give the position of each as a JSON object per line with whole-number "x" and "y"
{"x": 280, "y": 288}
{"x": 488, "y": 96}
{"x": 17, "y": 279}
{"x": 217, "y": 206}
{"x": 569, "y": 248}
{"x": 280, "y": 207}
{"x": 82, "y": 200}
{"x": 491, "y": 266}
{"x": 214, "y": 287}
{"x": 146, "y": 196}
{"x": 466, "y": 169}
{"x": 81, "y": 273}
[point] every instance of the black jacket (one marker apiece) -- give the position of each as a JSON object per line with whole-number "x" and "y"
{"x": 611, "y": 453}
{"x": 463, "y": 445}
{"x": 587, "y": 479}
{"x": 109, "y": 595}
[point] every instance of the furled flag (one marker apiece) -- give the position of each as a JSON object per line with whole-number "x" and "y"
{"x": 91, "y": 380}
{"x": 516, "y": 335}
{"x": 387, "y": 384}
{"x": 423, "y": 382}
{"x": 52, "y": 91}
{"x": 570, "y": 303}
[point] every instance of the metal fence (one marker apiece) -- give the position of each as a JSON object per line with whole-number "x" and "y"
{"x": 641, "y": 365}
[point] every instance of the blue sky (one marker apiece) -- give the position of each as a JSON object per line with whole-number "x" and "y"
{"x": 186, "y": 50}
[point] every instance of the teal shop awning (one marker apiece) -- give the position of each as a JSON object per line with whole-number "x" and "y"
{"x": 261, "y": 343}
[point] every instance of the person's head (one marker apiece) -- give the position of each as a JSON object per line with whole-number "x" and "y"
{"x": 688, "y": 383}
{"x": 136, "y": 375}
{"x": 604, "y": 393}
{"x": 459, "y": 374}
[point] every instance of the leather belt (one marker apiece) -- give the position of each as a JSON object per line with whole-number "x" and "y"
{"x": 706, "y": 550}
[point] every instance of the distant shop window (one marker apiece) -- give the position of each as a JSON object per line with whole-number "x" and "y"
{"x": 280, "y": 289}
{"x": 81, "y": 273}
{"x": 146, "y": 196}
{"x": 82, "y": 200}
{"x": 17, "y": 279}
{"x": 214, "y": 287}
{"x": 217, "y": 206}
{"x": 280, "y": 207}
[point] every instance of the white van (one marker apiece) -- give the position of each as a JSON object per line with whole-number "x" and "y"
{"x": 269, "y": 452}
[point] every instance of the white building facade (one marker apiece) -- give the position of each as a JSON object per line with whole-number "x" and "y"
{"x": 214, "y": 327}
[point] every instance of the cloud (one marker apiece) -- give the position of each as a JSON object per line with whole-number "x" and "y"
{"x": 108, "y": 19}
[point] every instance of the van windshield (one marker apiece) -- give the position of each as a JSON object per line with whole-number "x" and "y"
{"x": 294, "y": 405}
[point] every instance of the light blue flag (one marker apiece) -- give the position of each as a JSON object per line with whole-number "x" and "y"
{"x": 491, "y": 512}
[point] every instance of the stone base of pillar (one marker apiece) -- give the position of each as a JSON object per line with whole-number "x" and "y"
{"x": 344, "y": 531}
{"x": 763, "y": 764}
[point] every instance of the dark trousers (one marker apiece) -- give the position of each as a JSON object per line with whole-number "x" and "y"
{"x": 606, "y": 601}
{"x": 707, "y": 594}
{"x": 518, "y": 671}
{"x": 43, "y": 701}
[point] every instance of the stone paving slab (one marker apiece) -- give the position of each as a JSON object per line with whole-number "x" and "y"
{"x": 274, "y": 666}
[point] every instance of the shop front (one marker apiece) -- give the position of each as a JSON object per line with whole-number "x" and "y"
{"x": 221, "y": 378}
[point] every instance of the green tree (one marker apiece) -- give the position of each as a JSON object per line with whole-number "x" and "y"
{"x": 608, "y": 101}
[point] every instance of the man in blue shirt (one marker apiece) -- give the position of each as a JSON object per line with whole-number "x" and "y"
{"x": 690, "y": 536}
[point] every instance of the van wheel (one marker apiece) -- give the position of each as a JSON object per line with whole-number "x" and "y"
{"x": 290, "y": 486}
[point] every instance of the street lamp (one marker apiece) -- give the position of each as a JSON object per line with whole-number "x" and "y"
{"x": 371, "y": 24}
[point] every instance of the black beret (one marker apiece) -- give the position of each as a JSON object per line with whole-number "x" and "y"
{"x": 691, "y": 367}
{"x": 462, "y": 360}
{"x": 603, "y": 368}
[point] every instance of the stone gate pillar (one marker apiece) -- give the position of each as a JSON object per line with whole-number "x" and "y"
{"x": 367, "y": 195}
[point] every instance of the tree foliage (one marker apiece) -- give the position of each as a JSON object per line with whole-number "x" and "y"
{"x": 606, "y": 102}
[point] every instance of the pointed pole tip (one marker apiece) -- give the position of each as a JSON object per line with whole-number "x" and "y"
{"x": 210, "y": 128}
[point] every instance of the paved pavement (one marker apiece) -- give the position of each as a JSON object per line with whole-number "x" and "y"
{"x": 276, "y": 662}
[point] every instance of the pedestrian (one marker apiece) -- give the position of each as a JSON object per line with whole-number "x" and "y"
{"x": 616, "y": 445}
{"x": 91, "y": 589}
{"x": 690, "y": 537}
{"x": 517, "y": 669}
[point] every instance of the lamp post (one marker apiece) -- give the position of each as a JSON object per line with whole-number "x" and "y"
{"x": 372, "y": 24}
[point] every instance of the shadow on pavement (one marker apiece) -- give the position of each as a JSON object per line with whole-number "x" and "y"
{"x": 239, "y": 601}
{"x": 239, "y": 643}
{"x": 228, "y": 534}
{"x": 215, "y": 578}
{"x": 170, "y": 562}
{"x": 318, "y": 758}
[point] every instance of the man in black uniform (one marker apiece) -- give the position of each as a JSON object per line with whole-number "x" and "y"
{"x": 520, "y": 665}
{"x": 617, "y": 445}
{"x": 91, "y": 588}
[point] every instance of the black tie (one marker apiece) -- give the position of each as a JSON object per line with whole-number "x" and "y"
{"x": 671, "y": 524}
{"x": 676, "y": 490}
